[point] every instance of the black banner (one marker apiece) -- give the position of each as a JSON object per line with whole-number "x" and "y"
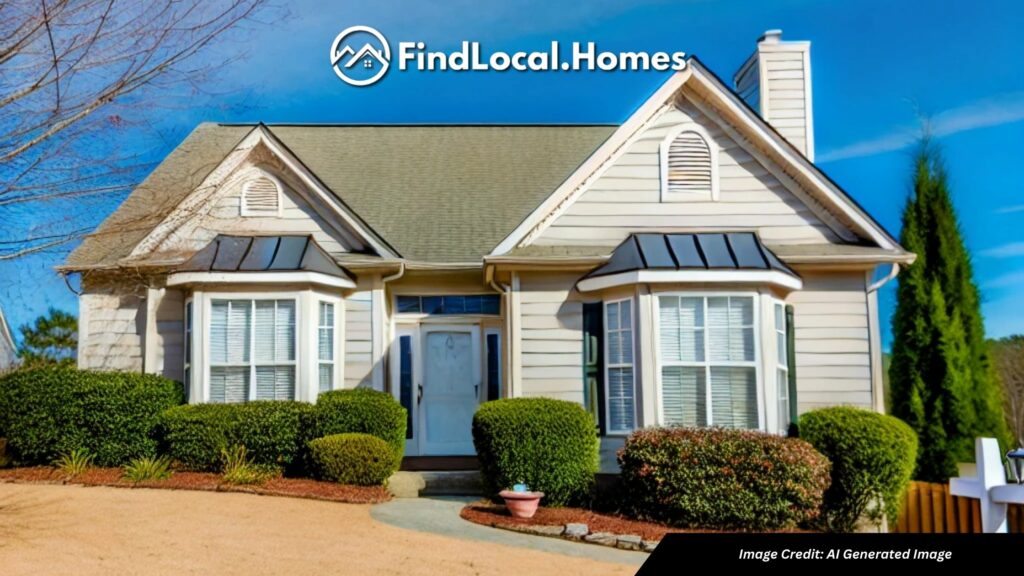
{"x": 791, "y": 552}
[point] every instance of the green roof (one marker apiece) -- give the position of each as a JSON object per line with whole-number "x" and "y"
{"x": 433, "y": 193}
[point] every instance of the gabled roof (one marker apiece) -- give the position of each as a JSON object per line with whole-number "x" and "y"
{"x": 434, "y": 193}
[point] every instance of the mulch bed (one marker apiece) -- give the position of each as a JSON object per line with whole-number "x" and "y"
{"x": 497, "y": 516}
{"x": 291, "y": 487}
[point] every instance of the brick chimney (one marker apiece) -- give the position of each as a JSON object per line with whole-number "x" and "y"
{"x": 776, "y": 81}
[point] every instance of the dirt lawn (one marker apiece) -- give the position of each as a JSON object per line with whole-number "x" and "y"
{"x": 52, "y": 529}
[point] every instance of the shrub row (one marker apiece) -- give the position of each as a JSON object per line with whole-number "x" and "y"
{"x": 46, "y": 412}
{"x": 550, "y": 445}
{"x": 719, "y": 478}
{"x": 277, "y": 432}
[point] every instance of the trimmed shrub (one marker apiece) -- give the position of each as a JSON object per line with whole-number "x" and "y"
{"x": 550, "y": 445}
{"x": 872, "y": 458}
{"x": 722, "y": 479}
{"x": 271, "y": 430}
{"x": 353, "y": 458}
{"x": 359, "y": 410}
{"x": 49, "y": 411}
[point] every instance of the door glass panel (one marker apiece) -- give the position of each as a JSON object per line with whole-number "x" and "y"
{"x": 405, "y": 380}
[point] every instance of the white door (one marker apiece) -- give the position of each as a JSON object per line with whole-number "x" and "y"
{"x": 451, "y": 389}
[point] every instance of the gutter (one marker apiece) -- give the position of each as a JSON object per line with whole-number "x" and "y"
{"x": 893, "y": 272}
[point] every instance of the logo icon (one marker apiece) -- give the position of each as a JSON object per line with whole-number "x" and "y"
{"x": 360, "y": 55}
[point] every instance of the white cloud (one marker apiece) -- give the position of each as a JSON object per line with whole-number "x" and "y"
{"x": 995, "y": 111}
{"x": 1010, "y": 209}
{"x": 1005, "y": 251}
{"x": 1007, "y": 280}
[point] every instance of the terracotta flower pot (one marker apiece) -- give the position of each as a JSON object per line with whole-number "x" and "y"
{"x": 521, "y": 504}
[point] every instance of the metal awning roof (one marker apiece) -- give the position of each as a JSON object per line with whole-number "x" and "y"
{"x": 233, "y": 258}
{"x": 706, "y": 257}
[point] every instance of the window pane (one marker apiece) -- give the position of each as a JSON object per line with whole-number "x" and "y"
{"x": 780, "y": 318}
{"x": 733, "y": 397}
{"x": 405, "y": 380}
{"x": 782, "y": 383}
{"x": 780, "y": 345}
{"x": 432, "y": 305}
{"x": 731, "y": 332}
{"x": 229, "y": 384}
{"x": 626, "y": 344}
{"x": 681, "y": 338}
{"x": 275, "y": 382}
{"x": 326, "y": 317}
{"x": 239, "y": 326}
{"x": 219, "y": 331}
{"x": 612, "y": 320}
{"x": 718, "y": 329}
{"x": 408, "y": 303}
{"x": 491, "y": 304}
{"x": 188, "y": 336}
{"x": 285, "y": 331}
{"x": 264, "y": 330}
{"x": 614, "y": 348}
{"x": 684, "y": 395}
{"x": 626, "y": 314}
{"x": 620, "y": 399}
{"x": 325, "y": 336}
{"x": 326, "y": 377}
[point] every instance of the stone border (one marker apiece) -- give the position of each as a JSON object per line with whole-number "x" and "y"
{"x": 581, "y": 533}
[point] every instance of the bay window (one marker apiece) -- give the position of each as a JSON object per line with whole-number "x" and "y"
{"x": 708, "y": 360}
{"x": 325, "y": 347}
{"x": 620, "y": 405}
{"x": 252, "y": 349}
{"x": 782, "y": 369}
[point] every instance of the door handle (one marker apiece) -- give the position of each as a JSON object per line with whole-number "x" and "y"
{"x": 419, "y": 395}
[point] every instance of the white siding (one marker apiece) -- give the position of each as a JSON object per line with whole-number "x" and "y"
{"x": 626, "y": 197}
{"x": 833, "y": 361}
{"x": 787, "y": 103}
{"x": 113, "y": 318}
{"x": 358, "y": 340}
{"x": 170, "y": 335}
{"x": 552, "y": 336}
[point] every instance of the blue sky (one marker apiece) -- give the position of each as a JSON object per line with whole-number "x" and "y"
{"x": 878, "y": 66}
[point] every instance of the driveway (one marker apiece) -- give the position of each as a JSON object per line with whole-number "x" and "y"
{"x": 88, "y": 530}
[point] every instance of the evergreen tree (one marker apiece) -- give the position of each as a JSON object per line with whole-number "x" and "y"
{"x": 52, "y": 339}
{"x": 942, "y": 381}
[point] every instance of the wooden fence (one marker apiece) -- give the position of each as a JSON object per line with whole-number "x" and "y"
{"x": 929, "y": 508}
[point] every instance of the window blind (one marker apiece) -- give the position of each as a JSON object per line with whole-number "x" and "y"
{"x": 620, "y": 382}
{"x": 252, "y": 341}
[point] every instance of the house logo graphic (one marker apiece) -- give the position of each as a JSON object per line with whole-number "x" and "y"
{"x": 360, "y": 55}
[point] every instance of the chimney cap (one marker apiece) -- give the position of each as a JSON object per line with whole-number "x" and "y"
{"x": 773, "y": 36}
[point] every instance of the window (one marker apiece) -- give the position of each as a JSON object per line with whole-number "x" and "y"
{"x": 252, "y": 350}
{"x": 325, "y": 347}
{"x": 707, "y": 360}
{"x": 782, "y": 371}
{"x": 620, "y": 409}
{"x": 493, "y": 346}
{"x": 261, "y": 196}
{"x": 488, "y": 304}
{"x": 689, "y": 165}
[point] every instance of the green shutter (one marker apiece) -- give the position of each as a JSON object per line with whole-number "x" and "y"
{"x": 791, "y": 362}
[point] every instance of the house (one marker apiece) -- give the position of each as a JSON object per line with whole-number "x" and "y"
{"x": 8, "y": 351}
{"x": 689, "y": 266}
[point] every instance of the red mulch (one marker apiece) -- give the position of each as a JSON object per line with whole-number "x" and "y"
{"x": 497, "y": 516}
{"x": 293, "y": 487}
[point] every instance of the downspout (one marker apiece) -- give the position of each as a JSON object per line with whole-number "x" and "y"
{"x": 382, "y": 339}
{"x": 893, "y": 272}
{"x": 875, "y": 337}
{"x": 507, "y": 339}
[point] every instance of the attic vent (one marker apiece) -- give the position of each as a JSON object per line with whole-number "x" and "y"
{"x": 688, "y": 167}
{"x": 261, "y": 196}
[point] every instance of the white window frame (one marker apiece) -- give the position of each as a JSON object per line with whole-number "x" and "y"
{"x": 666, "y": 143}
{"x": 320, "y": 362}
{"x": 208, "y": 299}
{"x": 189, "y": 345}
{"x": 707, "y": 363}
{"x": 781, "y": 385}
{"x": 608, "y": 365}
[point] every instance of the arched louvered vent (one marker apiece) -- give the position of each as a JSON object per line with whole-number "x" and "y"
{"x": 689, "y": 168}
{"x": 261, "y": 196}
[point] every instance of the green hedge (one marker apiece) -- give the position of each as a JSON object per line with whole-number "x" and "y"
{"x": 359, "y": 410}
{"x": 551, "y": 445}
{"x": 721, "y": 479}
{"x": 359, "y": 459}
{"x": 272, "y": 432}
{"x": 45, "y": 412}
{"x": 872, "y": 458}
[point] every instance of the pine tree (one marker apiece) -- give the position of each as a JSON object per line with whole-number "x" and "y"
{"x": 942, "y": 379}
{"x": 52, "y": 339}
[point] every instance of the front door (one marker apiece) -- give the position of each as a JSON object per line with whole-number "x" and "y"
{"x": 451, "y": 389}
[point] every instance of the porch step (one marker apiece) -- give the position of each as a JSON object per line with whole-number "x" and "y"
{"x": 410, "y": 484}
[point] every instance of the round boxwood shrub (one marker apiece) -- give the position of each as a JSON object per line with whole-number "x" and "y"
{"x": 353, "y": 458}
{"x": 359, "y": 410}
{"x": 721, "y": 479}
{"x": 49, "y": 411}
{"x": 551, "y": 445}
{"x": 272, "y": 432}
{"x": 872, "y": 458}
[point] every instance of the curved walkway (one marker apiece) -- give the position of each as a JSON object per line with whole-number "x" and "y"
{"x": 441, "y": 516}
{"x": 86, "y": 531}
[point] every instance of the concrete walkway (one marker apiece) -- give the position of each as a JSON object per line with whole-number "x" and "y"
{"x": 440, "y": 515}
